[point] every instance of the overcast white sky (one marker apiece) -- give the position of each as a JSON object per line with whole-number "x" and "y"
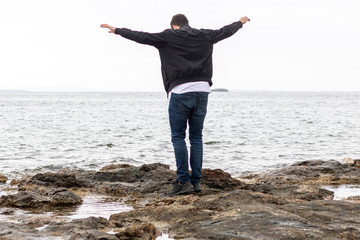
{"x": 57, "y": 45}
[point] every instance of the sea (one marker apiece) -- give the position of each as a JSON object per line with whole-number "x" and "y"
{"x": 245, "y": 132}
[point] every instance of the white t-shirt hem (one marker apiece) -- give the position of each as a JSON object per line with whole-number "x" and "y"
{"x": 199, "y": 86}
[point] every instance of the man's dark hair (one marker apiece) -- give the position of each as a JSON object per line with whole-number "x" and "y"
{"x": 179, "y": 20}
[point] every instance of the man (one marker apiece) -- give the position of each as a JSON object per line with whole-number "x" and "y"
{"x": 186, "y": 66}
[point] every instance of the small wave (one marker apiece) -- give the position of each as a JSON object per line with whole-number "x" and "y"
{"x": 126, "y": 160}
{"x": 92, "y": 165}
{"x": 109, "y": 145}
{"x": 212, "y": 142}
{"x": 70, "y": 150}
{"x": 51, "y": 167}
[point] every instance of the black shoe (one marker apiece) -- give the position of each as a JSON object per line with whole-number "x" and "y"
{"x": 181, "y": 188}
{"x": 197, "y": 187}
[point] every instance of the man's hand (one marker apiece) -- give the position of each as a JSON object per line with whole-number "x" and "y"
{"x": 244, "y": 20}
{"x": 111, "y": 28}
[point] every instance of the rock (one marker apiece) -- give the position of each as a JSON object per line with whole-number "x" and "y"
{"x": 286, "y": 203}
{"x": 354, "y": 199}
{"x": 357, "y": 162}
{"x": 58, "y": 180}
{"x": 242, "y": 214}
{"x": 23, "y": 200}
{"x": 312, "y": 172}
{"x": 3, "y": 178}
{"x": 86, "y": 228}
{"x": 63, "y": 197}
{"x": 10, "y": 230}
{"x": 23, "y": 180}
{"x": 93, "y": 235}
{"x": 114, "y": 166}
{"x": 153, "y": 166}
{"x": 117, "y": 179}
{"x": 91, "y": 223}
{"x": 294, "y": 192}
{"x": 351, "y": 162}
{"x": 78, "y": 225}
{"x": 131, "y": 174}
{"x": 333, "y": 217}
{"x": 218, "y": 179}
{"x": 36, "y": 200}
{"x": 348, "y": 161}
{"x": 249, "y": 215}
{"x": 145, "y": 231}
{"x": 116, "y": 189}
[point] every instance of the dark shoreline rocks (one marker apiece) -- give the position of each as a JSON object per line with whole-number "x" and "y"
{"x": 39, "y": 199}
{"x": 286, "y": 203}
{"x": 3, "y": 178}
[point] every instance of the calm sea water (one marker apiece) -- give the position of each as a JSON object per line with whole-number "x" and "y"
{"x": 244, "y": 131}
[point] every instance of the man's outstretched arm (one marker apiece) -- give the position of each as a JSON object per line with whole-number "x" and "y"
{"x": 153, "y": 39}
{"x": 229, "y": 30}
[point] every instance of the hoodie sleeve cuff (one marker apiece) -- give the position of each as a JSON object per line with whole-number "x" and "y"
{"x": 117, "y": 30}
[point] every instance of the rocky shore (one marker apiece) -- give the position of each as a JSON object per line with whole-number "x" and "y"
{"x": 286, "y": 203}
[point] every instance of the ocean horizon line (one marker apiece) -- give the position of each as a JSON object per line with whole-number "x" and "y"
{"x": 162, "y": 91}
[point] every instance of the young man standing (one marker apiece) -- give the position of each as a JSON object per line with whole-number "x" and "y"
{"x": 186, "y": 66}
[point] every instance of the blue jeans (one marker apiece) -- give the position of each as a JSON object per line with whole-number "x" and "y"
{"x": 188, "y": 109}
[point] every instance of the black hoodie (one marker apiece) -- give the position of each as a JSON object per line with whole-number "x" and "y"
{"x": 185, "y": 53}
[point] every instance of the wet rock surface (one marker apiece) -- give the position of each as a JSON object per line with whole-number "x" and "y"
{"x": 312, "y": 172}
{"x": 286, "y": 203}
{"x": 40, "y": 199}
{"x": 145, "y": 231}
{"x": 3, "y": 178}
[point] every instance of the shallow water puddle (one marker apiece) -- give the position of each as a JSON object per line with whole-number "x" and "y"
{"x": 98, "y": 206}
{"x": 3, "y": 193}
{"x": 92, "y": 206}
{"x": 342, "y": 192}
{"x": 164, "y": 236}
